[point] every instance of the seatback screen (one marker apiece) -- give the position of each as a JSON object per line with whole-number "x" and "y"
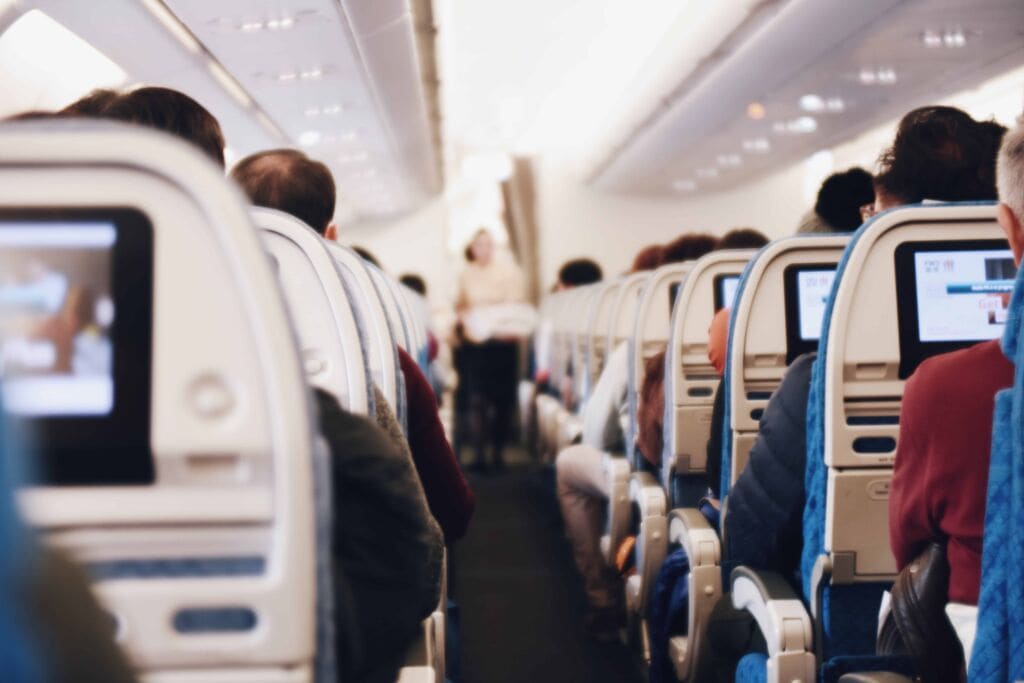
{"x": 725, "y": 291}
{"x": 807, "y": 289}
{"x": 75, "y": 340}
{"x": 950, "y": 295}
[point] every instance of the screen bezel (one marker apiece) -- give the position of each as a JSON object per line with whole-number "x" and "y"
{"x": 913, "y": 351}
{"x": 796, "y": 345}
{"x": 717, "y": 285}
{"x": 112, "y": 449}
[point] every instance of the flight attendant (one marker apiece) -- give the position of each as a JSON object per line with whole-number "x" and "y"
{"x": 489, "y": 354}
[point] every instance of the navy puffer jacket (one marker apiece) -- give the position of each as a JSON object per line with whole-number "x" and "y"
{"x": 764, "y": 521}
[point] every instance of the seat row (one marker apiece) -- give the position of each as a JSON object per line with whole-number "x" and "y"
{"x": 201, "y": 503}
{"x": 866, "y": 306}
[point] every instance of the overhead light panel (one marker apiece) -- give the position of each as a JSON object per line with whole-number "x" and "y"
{"x": 730, "y": 160}
{"x": 882, "y": 76}
{"x": 802, "y": 125}
{"x": 354, "y": 157}
{"x": 684, "y": 185}
{"x": 757, "y": 145}
{"x": 275, "y": 24}
{"x": 706, "y": 173}
{"x": 310, "y": 138}
{"x": 329, "y": 110}
{"x": 812, "y": 103}
{"x": 952, "y": 38}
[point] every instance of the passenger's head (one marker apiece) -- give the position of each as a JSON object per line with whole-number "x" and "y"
{"x": 841, "y": 197}
{"x": 94, "y": 104}
{"x": 689, "y": 247}
{"x": 578, "y": 272}
{"x": 1010, "y": 177}
{"x": 366, "y": 256}
{"x": 481, "y": 248}
{"x": 289, "y": 181}
{"x": 742, "y": 238}
{"x": 172, "y": 112}
{"x": 415, "y": 283}
{"x": 647, "y": 258}
{"x": 939, "y": 153}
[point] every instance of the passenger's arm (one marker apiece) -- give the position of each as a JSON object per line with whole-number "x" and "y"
{"x": 911, "y": 526}
{"x": 386, "y": 544}
{"x": 765, "y": 519}
{"x": 448, "y": 494}
{"x": 601, "y": 426}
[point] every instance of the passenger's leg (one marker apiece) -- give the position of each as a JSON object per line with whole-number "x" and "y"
{"x": 583, "y": 497}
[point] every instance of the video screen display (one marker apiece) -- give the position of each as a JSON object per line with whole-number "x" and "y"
{"x": 56, "y": 315}
{"x": 807, "y": 287}
{"x": 813, "y": 289}
{"x": 76, "y": 329}
{"x": 725, "y": 291}
{"x": 963, "y": 295}
{"x": 950, "y": 295}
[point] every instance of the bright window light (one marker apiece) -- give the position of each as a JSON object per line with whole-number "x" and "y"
{"x": 43, "y": 65}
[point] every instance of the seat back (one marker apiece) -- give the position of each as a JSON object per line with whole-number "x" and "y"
{"x": 401, "y": 332}
{"x": 762, "y": 342}
{"x": 906, "y": 287}
{"x": 596, "y": 349}
{"x": 650, "y": 336}
{"x": 372, "y": 318}
{"x": 193, "y": 500}
{"x": 332, "y": 351}
{"x": 623, "y": 315}
{"x": 690, "y": 379}
{"x": 561, "y": 337}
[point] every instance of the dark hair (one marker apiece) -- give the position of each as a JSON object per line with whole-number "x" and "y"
{"x": 689, "y": 247}
{"x": 841, "y": 196}
{"x": 172, "y": 112}
{"x": 414, "y": 282}
{"x": 742, "y": 238}
{"x": 367, "y": 256}
{"x": 940, "y": 153}
{"x": 93, "y": 104}
{"x": 580, "y": 271}
{"x": 647, "y": 258}
{"x": 288, "y": 180}
{"x": 31, "y": 115}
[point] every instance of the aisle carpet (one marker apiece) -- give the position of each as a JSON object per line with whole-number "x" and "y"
{"x": 521, "y": 599}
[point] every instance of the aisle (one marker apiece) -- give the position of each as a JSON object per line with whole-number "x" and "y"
{"x": 521, "y": 599}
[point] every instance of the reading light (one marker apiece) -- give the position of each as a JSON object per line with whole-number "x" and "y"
{"x": 683, "y": 185}
{"x": 835, "y": 105}
{"x": 709, "y": 172}
{"x": 756, "y": 111}
{"x": 884, "y": 76}
{"x": 310, "y": 138}
{"x": 730, "y": 160}
{"x": 354, "y": 157}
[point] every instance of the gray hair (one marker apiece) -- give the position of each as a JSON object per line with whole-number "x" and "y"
{"x": 1010, "y": 171}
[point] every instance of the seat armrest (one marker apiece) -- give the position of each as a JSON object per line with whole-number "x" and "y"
{"x": 775, "y": 606}
{"x": 646, "y": 492}
{"x": 874, "y": 677}
{"x": 691, "y": 530}
{"x": 616, "y": 467}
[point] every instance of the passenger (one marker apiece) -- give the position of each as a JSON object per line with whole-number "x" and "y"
{"x": 842, "y": 202}
{"x": 94, "y": 104}
{"x": 365, "y": 254}
{"x": 941, "y": 471}
{"x": 162, "y": 109}
{"x": 489, "y": 366}
{"x": 579, "y": 469}
{"x": 647, "y": 258}
{"x": 414, "y": 282}
{"x": 578, "y": 272}
{"x": 289, "y": 181}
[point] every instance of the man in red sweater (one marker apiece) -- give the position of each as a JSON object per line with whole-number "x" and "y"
{"x": 941, "y": 473}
